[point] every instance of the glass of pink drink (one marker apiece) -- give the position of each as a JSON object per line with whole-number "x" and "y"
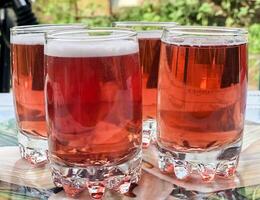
{"x": 27, "y": 58}
{"x": 149, "y": 39}
{"x": 201, "y": 101}
{"x": 94, "y": 109}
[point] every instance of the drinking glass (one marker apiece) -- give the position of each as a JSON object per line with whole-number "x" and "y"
{"x": 93, "y": 98}
{"x": 201, "y": 101}
{"x": 27, "y": 58}
{"x": 149, "y": 38}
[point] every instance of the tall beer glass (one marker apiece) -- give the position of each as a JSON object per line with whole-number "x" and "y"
{"x": 149, "y": 37}
{"x": 94, "y": 109}
{"x": 201, "y": 100}
{"x": 27, "y": 54}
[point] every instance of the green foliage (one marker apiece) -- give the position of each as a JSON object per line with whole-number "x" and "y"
{"x": 54, "y": 12}
{"x": 148, "y": 12}
{"x": 254, "y": 38}
{"x": 69, "y": 11}
{"x": 183, "y": 12}
{"x": 239, "y": 13}
{"x": 188, "y": 12}
{"x": 206, "y": 12}
{"x": 100, "y": 21}
{"x": 197, "y": 12}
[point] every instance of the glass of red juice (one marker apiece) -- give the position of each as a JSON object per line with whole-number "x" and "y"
{"x": 201, "y": 101}
{"x": 149, "y": 39}
{"x": 27, "y": 58}
{"x": 94, "y": 109}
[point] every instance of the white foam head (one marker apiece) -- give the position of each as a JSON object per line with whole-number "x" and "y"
{"x": 207, "y": 41}
{"x": 154, "y": 34}
{"x": 34, "y": 34}
{"x": 28, "y": 39}
{"x": 205, "y": 36}
{"x": 90, "y": 48}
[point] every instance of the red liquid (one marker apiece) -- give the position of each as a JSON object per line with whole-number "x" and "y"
{"x": 202, "y": 96}
{"x": 28, "y": 84}
{"x": 149, "y": 58}
{"x": 94, "y": 108}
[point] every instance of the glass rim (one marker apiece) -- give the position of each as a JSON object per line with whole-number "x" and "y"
{"x": 206, "y": 31}
{"x": 43, "y": 28}
{"x": 82, "y": 34}
{"x": 143, "y": 24}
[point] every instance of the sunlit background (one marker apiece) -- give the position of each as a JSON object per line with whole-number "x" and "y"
{"x": 236, "y": 13}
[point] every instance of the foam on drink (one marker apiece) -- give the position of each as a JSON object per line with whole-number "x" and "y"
{"x": 28, "y": 39}
{"x": 34, "y": 34}
{"x": 90, "y": 49}
{"x": 149, "y": 34}
{"x": 28, "y": 82}
{"x": 204, "y": 41}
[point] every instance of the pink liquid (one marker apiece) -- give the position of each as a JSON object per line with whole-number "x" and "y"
{"x": 28, "y": 85}
{"x": 202, "y": 96}
{"x": 94, "y": 108}
{"x": 149, "y": 59}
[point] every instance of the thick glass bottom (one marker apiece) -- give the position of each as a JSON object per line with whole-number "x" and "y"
{"x": 204, "y": 165}
{"x": 117, "y": 177}
{"x": 149, "y": 132}
{"x": 33, "y": 149}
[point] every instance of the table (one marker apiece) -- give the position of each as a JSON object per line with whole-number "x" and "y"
{"x": 149, "y": 186}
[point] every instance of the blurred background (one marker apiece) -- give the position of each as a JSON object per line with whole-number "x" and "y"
{"x": 234, "y": 13}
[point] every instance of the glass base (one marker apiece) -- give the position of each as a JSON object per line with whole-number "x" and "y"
{"x": 149, "y": 132}
{"x": 33, "y": 149}
{"x": 117, "y": 177}
{"x": 203, "y": 165}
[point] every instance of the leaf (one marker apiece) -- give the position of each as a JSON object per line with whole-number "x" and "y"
{"x": 243, "y": 11}
{"x": 229, "y": 21}
{"x": 219, "y": 13}
{"x": 199, "y": 16}
{"x": 206, "y": 8}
